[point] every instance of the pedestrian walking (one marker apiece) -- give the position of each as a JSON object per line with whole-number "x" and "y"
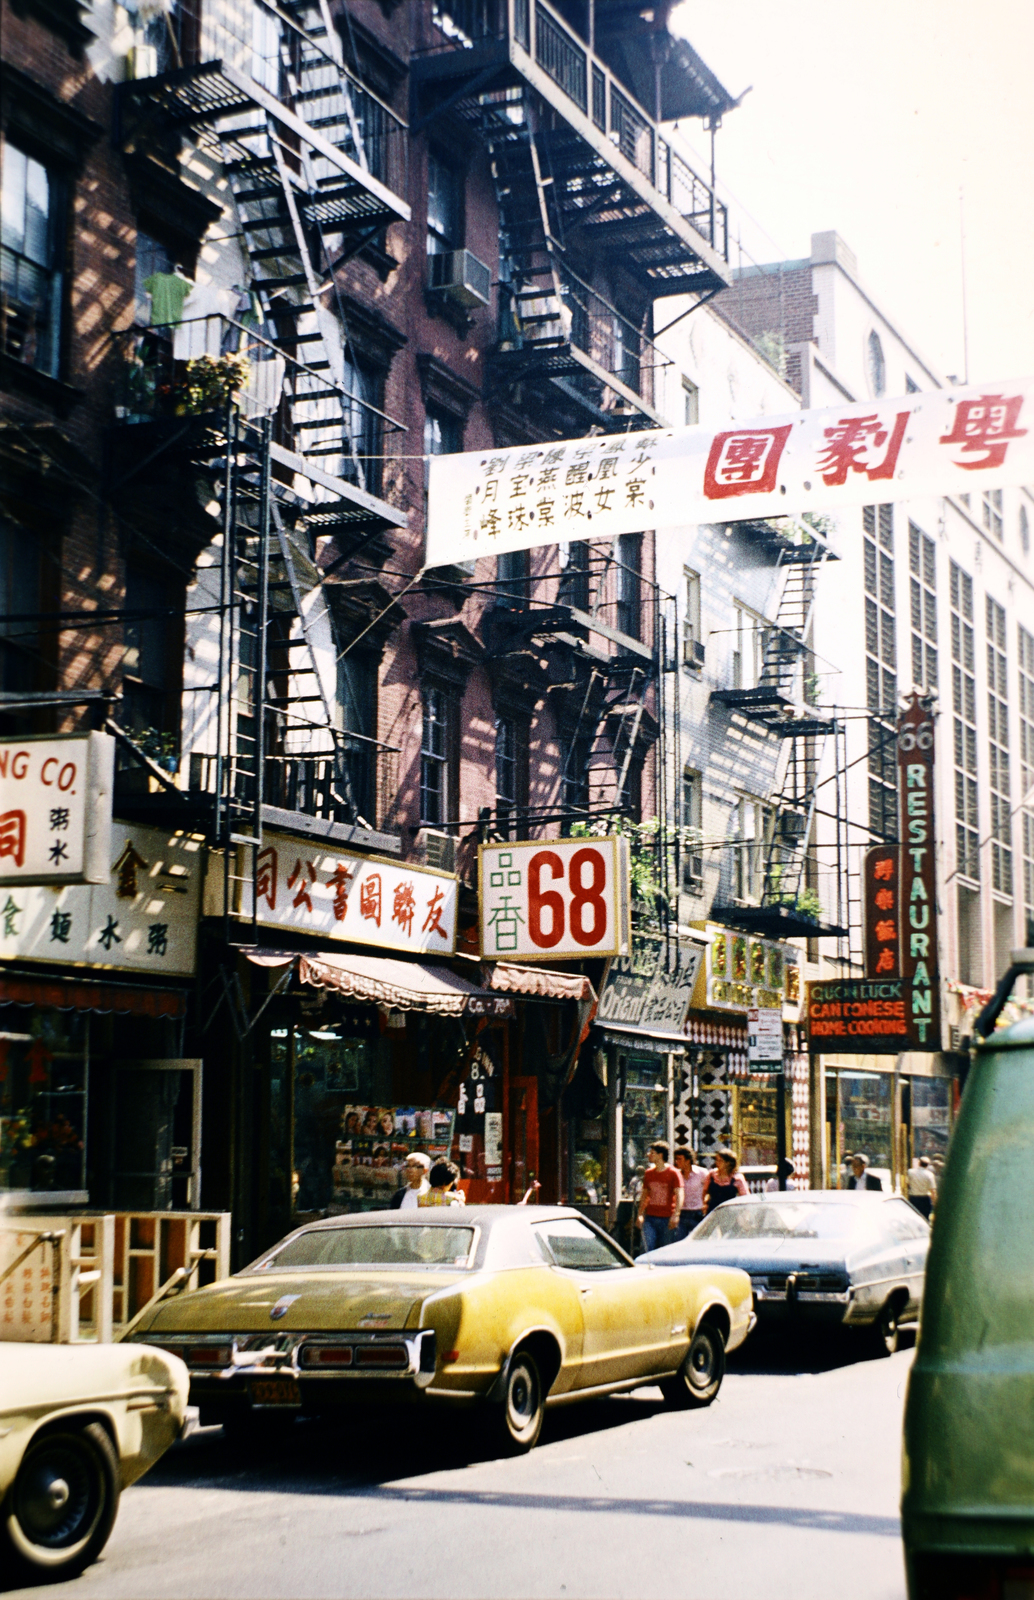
{"x": 661, "y": 1199}
{"x": 692, "y": 1212}
{"x": 442, "y": 1191}
{"x": 415, "y": 1170}
{"x": 725, "y": 1182}
{"x": 860, "y": 1179}
{"x": 922, "y": 1187}
{"x": 785, "y": 1172}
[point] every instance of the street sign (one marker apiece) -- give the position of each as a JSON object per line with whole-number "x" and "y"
{"x": 947, "y": 441}
{"x": 765, "y": 1038}
{"x": 544, "y": 900}
{"x": 55, "y": 809}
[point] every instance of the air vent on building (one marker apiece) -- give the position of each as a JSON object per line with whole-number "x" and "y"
{"x": 692, "y": 653}
{"x": 460, "y": 276}
{"x": 436, "y": 849}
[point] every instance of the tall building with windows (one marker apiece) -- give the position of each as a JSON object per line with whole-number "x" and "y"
{"x": 935, "y": 597}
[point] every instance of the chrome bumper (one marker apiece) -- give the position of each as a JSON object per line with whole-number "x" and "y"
{"x": 259, "y": 1356}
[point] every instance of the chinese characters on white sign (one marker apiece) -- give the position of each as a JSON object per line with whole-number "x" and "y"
{"x": 945, "y": 442}
{"x": 55, "y": 809}
{"x": 362, "y": 899}
{"x": 545, "y": 900}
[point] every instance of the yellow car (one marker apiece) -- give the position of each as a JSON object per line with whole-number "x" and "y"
{"x": 78, "y": 1424}
{"x": 503, "y": 1308}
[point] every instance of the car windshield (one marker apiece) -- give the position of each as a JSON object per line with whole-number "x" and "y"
{"x": 374, "y": 1247}
{"x": 779, "y": 1219}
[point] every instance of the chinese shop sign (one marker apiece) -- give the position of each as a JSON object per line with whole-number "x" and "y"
{"x": 55, "y": 809}
{"x": 483, "y": 503}
{"x": 543, "y": 901}
{"x": 860, "y": 1016}
{"x": 654, "y": 1001}
{"x": 363, "y": 899}
{"x": 881, "y": 888}
{"x": 143, "y": 918}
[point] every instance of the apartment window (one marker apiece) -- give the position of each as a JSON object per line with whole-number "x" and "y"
{"x": 922, "y": 566}
{"x": 748, "y": 648}
{"x": 31, "y": 248}
{"x": 511, "y": 774}
{"x": 443, "y": 434}
{"x": 574, "y": 581}
{"x": 1024, "y": 531}
{"x": 630, "y": 558}
{"x": 434, "y": 758}
{"x": 754, "y": 821}
{"x": 690, "y": 403}
{"x": 877, "y": 365}
{"x": 998, "y": 747}
{"x": 881, "y": 683}
{"x": 991, "y": 512}
{"x": 444, "y": 206}
{"x": 512, "y": 579}
{"x": 964, "y": 723}
{"x": 364, "y": 389}
{"x": 575, "y": 780}
{"x": 692, "y": 825}
{"x": 357, "y": 700}
{"x": 19, "y": 597}
{"x": 152, "y": 259}
{"x": 1026, "y": 686}
{"x": 145, "y": 664}
{"x": 692, "y": 637}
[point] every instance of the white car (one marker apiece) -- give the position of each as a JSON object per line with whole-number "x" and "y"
{"x": 78, "y": 1424}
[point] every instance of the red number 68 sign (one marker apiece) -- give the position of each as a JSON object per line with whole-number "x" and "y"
{"x": 543, "y": 899}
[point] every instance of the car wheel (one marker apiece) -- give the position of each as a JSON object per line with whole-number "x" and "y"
{"x": 517, "y": 1423}
{"x": 62, "y": 1505}
{"x": 699, "y": 1378}
{"x": 883, "y": 1334}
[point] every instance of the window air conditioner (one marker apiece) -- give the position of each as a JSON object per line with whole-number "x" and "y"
{"x": 692, "y": 652}
{"x": 458, "y": 275}
{"x": 436, "y": 849}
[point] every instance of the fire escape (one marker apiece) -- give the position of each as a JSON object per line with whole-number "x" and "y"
{"x": 582, "y": 175}
{"x": 310, "y": 156}
{"x": 782, "y": 702}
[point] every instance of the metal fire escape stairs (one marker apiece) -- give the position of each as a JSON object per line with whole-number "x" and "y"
{"x": 300, "y": 178}
{"x": 782, "y": 702}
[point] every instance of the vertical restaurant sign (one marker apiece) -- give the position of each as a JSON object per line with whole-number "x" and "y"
{"x": 551, "y": 899}
{"x": 339, "y": 895}
{"x": 948, "y": 441}
{"x": 142, "y": 919}
{"x": 920, "y": 966}
{"x": 881, "y": 898}
{"x": 55, "y": 808}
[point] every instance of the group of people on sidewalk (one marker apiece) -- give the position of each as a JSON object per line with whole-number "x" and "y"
{"x": 674, "y": 1199}
{"x": 428, "y": 1184}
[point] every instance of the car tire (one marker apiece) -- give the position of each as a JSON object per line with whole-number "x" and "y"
{"x": 883, "y": 1333}
{"x": 517, "y": 1422}
{"x": 61, "y": 1507}
{"x": 699, "y": 1378}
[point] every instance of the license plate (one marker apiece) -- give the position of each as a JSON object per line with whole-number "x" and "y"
{"x": 274, "y": 1392}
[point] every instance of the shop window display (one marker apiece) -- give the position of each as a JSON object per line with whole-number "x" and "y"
{"x": 644, "y": 1116}
{"x": 864, "y": 1119}
{"x": 931, "y": 1118}
{"x": 44, "y": 1066}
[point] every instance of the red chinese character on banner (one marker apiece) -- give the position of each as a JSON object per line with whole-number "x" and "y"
{"x": 433, "y": 920}
{"x": 370, "y": 898}
{"x": 404, "y": 908}
{"x": 986, "y": 425}
{"x": 339, "y": 881}
{"x": 884, "y": 899}
{"x": 265, "y": 877}
{"x": 854, "y": 444}
{"x": 744, "y": 461}
{"x": 886, "y": 930}
{"x": 884, "y": 869}
{"x": 885, "y": 961}
{"x": 12, "y": 836}
{"x": 298, "y": 876}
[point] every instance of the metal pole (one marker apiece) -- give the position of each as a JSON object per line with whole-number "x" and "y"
{"x": 259, "y": 689}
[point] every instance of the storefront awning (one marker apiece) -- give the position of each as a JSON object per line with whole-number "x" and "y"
{"x": 505, "y": 978}
{"x": 63, "y": 994}
{"x": 400, "y": 985}
{"x": 645, "y": 1040}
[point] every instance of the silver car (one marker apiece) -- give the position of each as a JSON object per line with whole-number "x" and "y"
{"x": 824, "y": 1256}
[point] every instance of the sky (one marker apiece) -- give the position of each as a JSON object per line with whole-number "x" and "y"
{"x": 873, "y": 117}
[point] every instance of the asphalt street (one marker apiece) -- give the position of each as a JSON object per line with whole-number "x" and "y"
{"x": 785, "y": 1489}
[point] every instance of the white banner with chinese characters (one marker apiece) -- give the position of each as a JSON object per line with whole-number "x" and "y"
{"x": 950, "y": 441}
{"x": 55, "y": 808}
{"x": 338, "y": 895}
{"x": 144, "y": 919}
{"x": 544, "y": 901}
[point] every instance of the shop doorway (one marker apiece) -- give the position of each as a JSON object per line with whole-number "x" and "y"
{"x": 156, "y": 1135}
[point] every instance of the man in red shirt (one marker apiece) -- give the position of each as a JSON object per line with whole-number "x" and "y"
{"x": 660, "y": 1201}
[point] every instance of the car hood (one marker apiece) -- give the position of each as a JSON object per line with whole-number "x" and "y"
{"x": 286, "y": 1301}
{"x": 53, "y": 1375}
{"x": 753, "y": 1255}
